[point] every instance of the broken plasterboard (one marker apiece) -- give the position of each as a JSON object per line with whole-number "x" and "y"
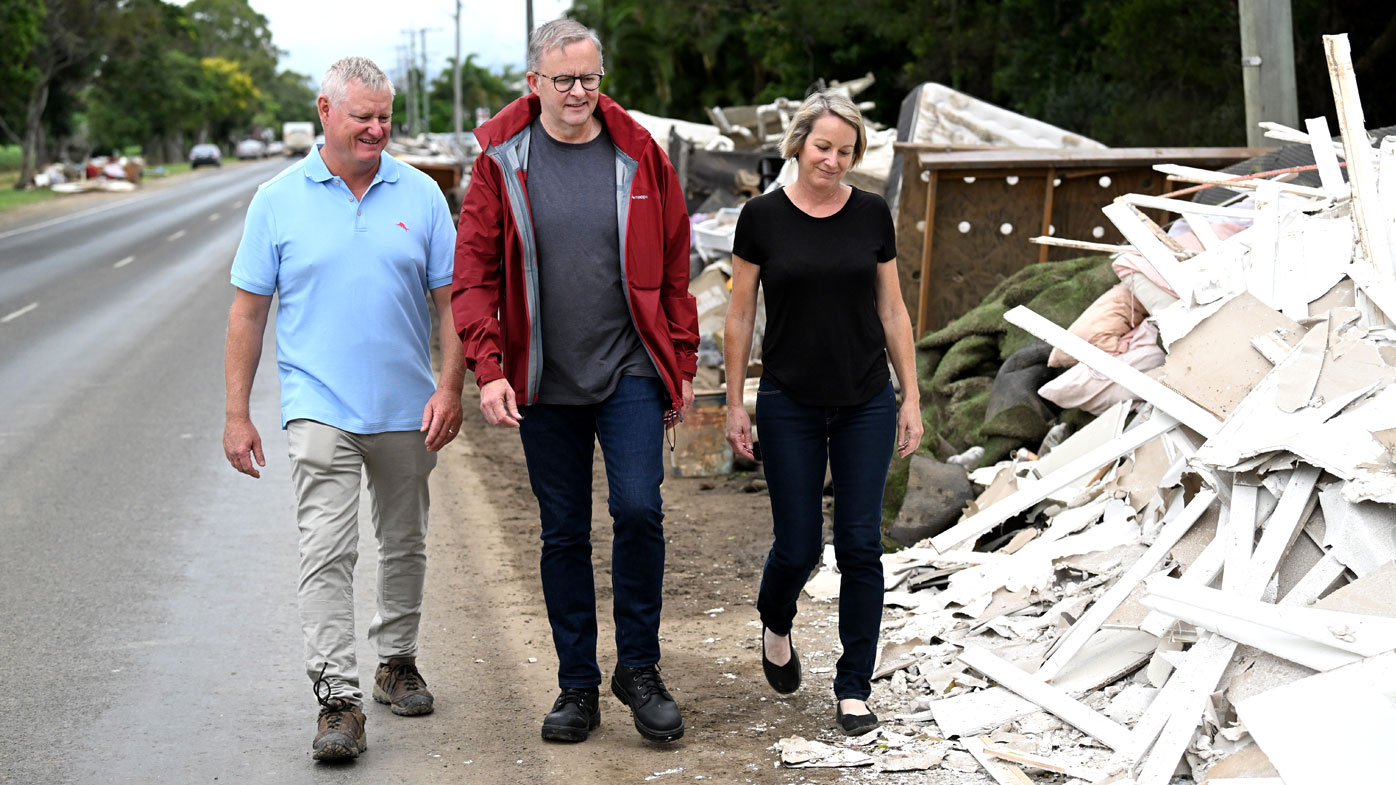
{"x": 1109, "y": 655}
{"x": 1214, "y": 365}
{"x": 1334, "y": 727}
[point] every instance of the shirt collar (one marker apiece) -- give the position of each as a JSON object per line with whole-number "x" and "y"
{"x": 316, "y": 169}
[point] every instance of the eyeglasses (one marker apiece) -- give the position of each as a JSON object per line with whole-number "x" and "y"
{"x": 564, "y": 83}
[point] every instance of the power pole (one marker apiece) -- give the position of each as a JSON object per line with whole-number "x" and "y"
{"x": 1267, "y": 66}
{"x": 424, "y": 106}
{"x": 455, "y": 99}
{"x": 529, "y": 32}
{"x": 411, "y": 83}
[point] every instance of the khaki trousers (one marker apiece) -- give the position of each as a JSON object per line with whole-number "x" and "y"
{"x": 326, "y": 467}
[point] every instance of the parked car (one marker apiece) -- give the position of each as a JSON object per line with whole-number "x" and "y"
{"x": 276, "y": 148}
{"x": 205, "y": 155}
{"x": 251, "y": 148}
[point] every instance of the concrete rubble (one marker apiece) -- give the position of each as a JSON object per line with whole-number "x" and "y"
{"x": 1197, "y": 587}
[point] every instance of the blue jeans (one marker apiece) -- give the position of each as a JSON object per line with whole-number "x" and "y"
{"x": 558, "y": 443}
{"x": 797, "y": 441}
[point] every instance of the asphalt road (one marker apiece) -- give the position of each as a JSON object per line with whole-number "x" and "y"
{"x": 148, "y": 613}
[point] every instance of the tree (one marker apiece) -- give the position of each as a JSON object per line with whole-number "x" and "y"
{"x": 146, "y": 92}
{"x": 19, "y": 36}
{"x": 479, "y": 88}
{"x": 63, "y": 59}
{"x": 232, "y": 30}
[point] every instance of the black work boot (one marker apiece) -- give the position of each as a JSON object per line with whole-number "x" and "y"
{"x": 576, "y": 713}
{"x": 656, "y": 714}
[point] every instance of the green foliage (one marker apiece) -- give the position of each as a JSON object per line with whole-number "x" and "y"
{"x": 478, "y": 88}
{"x": 20, "y": 33}
{"x": 1124, "y": 72}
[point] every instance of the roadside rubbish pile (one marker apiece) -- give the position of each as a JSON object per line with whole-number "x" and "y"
{"x": 1196, "y": 586}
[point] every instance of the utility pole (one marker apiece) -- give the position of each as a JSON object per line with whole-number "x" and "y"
{"x": 425, "y": 105}
{"x": 411, "y": 83}
{"x": 455, "y": 97}
{"x": 529, "y": 32}
{"x": 1267, "y": 66}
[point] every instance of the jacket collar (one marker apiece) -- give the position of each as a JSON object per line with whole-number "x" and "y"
{"x": 510, "y": 121}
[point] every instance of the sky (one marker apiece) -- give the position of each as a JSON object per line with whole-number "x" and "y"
{"x": 313, "y": 34}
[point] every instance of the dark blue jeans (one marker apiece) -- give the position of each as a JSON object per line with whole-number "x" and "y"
{"x": 558, "y": 443}
{"x": 855, "y": 442}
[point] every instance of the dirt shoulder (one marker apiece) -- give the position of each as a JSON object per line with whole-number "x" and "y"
{"x": 487, "y": 643}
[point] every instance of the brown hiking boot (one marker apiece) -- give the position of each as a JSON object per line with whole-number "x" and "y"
{"x": 398, "y": 684}
{"x": 339, "y": 732}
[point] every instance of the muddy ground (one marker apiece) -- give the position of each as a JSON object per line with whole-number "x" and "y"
{"x": 487, "y": 651}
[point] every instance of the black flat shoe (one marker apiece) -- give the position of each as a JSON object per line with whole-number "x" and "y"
{"x": 576, "y": 713}
{"x": 784, "y": 679}
{"x": 855, "y": 724}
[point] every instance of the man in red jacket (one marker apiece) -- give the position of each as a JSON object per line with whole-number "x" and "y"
{"x": 571, "y": 298}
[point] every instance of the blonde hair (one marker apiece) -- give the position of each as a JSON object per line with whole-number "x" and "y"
{"x": 817, "y": 105}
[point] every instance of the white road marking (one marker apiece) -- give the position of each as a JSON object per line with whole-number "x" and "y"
{"x": 214, "y": 217}
{"x": 237, "y": 205}
{"x": 16, "y": 314}
{"x": 62, "y": 219}
{"x": 175, "y": 236}
{"x": 124, "y": 262}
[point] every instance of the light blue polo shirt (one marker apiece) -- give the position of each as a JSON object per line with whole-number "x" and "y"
{"x": 352, "y": 281}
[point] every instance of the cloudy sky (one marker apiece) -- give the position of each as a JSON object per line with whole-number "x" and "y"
{"x": 315, "y": 34}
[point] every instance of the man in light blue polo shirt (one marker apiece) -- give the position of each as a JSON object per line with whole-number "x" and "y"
{"x": 352, "y": 243}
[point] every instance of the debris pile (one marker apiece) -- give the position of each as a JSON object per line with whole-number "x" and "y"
{"x": 1197, "y": 584}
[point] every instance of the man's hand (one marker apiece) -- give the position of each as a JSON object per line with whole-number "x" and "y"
{"x": 498, "y": 404}
{"x": 686, "y": 392}
{"x": 441, "y": 418}
{"x": 242, "y": 444}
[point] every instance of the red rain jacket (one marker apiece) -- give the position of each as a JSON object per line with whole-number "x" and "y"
{"x": 494, "y": 294}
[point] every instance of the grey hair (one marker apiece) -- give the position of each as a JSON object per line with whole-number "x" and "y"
{"x": 558, "y": 34}
{"x": 335, "y": 84}
{"x": 818, "y": 104}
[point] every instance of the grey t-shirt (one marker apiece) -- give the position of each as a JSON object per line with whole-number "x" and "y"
{"x": 589, "y": 339}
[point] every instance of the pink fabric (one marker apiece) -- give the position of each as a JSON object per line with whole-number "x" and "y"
{"x": 1082, "y": 388}
{"x": 1104, "y": 324}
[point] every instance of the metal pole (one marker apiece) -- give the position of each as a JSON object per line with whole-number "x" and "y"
{"x": 455, "y": 99}
{"x": 528, "y": 4}
{"x": 1267, "y": 66}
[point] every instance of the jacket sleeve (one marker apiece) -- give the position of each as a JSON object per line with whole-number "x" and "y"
{"x": 477, "y": 287}
{"x": 680, "y": 307}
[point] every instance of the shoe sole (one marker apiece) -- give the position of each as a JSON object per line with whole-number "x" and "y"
{"x": 404, "y": 711}
{"x": 570, "y": 735}
{"x": 648, "y": 733}
{"x": 343, "y": 748}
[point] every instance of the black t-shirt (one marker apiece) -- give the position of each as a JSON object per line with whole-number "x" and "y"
{"x": 824, "y": 343}
{"x": 589, "y": 339}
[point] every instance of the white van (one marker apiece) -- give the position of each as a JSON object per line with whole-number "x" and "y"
{"x": 298, "y": 136}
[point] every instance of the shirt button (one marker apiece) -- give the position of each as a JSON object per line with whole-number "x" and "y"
{"x": 361, "y": 212}
{"x": 351, "y": 199}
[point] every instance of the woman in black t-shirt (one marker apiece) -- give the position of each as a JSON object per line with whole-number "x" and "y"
{"x": 825, "y": 254}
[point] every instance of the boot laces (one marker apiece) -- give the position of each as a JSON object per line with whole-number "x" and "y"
{"x": 571, "y": 695}
{"x": 330, "y": 706}
{"x": 648, "y": 682}
{"x": 407, "y": 673}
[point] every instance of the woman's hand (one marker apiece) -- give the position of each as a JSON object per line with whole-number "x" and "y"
{"x": 909, "y": 427}
{"x": 739, "y": 432}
